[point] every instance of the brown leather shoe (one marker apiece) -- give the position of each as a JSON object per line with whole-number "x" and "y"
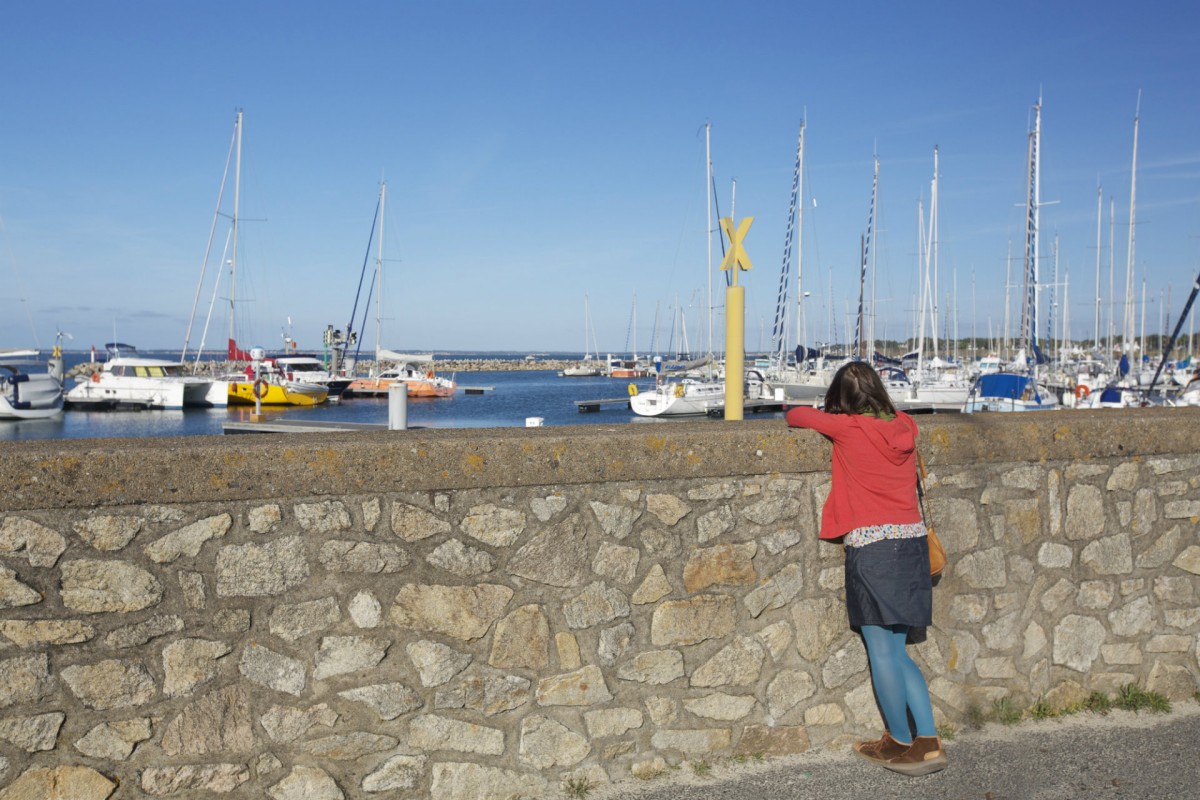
{"x": 923, "y": 757}
{"x": 881, "y": 750}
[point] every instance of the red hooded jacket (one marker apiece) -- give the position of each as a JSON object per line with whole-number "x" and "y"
{"x": 874, "y": 469}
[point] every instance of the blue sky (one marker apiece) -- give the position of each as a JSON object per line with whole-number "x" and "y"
{"x": 538, "y": 152}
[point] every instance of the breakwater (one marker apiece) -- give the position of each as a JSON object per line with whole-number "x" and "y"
{"x": 491, "y": 613}
{"x": 442, "y": 366}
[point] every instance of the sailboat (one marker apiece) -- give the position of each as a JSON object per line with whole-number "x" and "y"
{"x": 392, "y": 367}
{"x": 586, "y": 369}
{"x": 259, "y": 384}
{"x": 932, "y": 383}
{"x": 1019, "y": 389}
{"x": 694, "y": 392}
{"x": 807, "y": 380}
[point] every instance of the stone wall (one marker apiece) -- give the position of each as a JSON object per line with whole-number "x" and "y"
{"x": 456, "y": 614}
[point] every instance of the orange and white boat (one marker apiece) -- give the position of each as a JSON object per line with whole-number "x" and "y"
{"x": 414, "y": 371}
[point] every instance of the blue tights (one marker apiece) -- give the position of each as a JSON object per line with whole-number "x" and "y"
{"x": 899, "y": 685}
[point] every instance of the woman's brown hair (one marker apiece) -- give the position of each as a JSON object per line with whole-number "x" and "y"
{"x": 857, "y": 389}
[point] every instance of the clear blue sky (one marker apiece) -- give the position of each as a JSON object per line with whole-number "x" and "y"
{"x": 536, "y": 152}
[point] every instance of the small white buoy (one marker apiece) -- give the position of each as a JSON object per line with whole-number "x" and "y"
{"x": 534, "y": 422}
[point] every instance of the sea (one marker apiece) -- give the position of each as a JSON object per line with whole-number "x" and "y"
{"x": 497, "y": 399}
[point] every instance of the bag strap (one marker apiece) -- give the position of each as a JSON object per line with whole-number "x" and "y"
{"x": 922, "y": 475}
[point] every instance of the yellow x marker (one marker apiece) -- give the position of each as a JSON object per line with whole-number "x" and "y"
{"x": 737, "y": 251}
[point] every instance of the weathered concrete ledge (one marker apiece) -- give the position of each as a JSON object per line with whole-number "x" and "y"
{"x": 84, "y": 473}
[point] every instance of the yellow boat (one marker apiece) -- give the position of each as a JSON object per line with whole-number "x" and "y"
{"x": 276, "y": 393}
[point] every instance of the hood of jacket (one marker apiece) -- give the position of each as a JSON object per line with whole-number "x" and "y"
{"x": 895, "y": 439}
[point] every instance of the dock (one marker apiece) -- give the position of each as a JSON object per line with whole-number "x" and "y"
{"x": 591, "y": 406}
{"x": 759, "y": 406}
{"x": 298, "y": 426}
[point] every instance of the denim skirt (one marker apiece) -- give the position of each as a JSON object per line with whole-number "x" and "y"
{"x": 888, "y": 583}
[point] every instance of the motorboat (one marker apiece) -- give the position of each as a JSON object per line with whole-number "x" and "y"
{"x": 127, "y": 380}
{"x": 309, "y": 369}
{"x": 628, "y": 367}
{"x": 28, "y": 390}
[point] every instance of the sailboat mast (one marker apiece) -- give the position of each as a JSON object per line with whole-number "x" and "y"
{"x": 874, "y": 271}
{"x": 779, "y": 328}
{"x": 933, "y": 245}
{"x": 379, "y": 274}
{"x": 237, "y": 196}
{"x": 1099, "y": 223}
{"x": 1129, "y": 291}
{"x": 865, "y": 247}
{"x": 1112, "y": 258}
{"x": 1006, "y": 331}
{"x": 923, "y": 268}
{"x": 708, "y": 227}
{"x": 1029, "y": 306}
{"x": 586, "y": 323}
{"x": 801, "y": 327}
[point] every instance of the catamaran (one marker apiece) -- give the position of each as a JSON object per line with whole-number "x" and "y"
{"x": 127, "y": 380}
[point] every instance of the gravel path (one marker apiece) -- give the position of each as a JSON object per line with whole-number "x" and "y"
{"x": 1122, "y": 755}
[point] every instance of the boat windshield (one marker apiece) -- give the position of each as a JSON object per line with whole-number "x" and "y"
{"x": 165, "y": 371}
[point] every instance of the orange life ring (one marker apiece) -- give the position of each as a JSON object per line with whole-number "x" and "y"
{"x": 429, "y": 374}
{"x": 260, "y": 389}
{"x": 95, "y": 377}
{"x": 1081, "y": 392}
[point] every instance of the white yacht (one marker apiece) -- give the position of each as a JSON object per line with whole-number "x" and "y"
{"x": 309, "y": 369}
{"x": 127, "y": 380}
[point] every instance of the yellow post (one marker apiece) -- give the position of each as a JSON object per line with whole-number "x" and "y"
{"x": 735, "y": 358}
{"x": 735, "y": 318}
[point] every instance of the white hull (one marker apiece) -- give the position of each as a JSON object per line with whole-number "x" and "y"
{"x": 678, "y": 400}
{"x": 1007, "y": 393}
{"x": 39, "y": 397}
{"x": 990, "y": 404}
{"x": 24, "y": 394}
{"x": 217, "y": 395}
{"x": 162, "y": 393}
{"x": 690, "y": 397}
{"x": 802, "y": 385}
{"x": 581, "y": 372}
{"x": 936, "y": 396}
{"x": 135, "y": 382}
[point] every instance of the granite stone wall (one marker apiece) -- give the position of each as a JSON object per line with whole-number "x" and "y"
{"x": 452, "y": 614}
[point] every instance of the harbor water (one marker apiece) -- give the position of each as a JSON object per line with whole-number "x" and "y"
{"x": 484, "y": 399}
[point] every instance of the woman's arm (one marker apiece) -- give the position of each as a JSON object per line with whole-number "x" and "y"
{"x": 814, "y": 419}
